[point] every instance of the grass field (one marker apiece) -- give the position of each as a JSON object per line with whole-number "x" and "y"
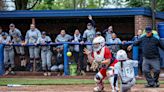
{"x": 44, "y": 81}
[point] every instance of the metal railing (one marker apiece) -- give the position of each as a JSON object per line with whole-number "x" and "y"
{"x": 65, "y": 44}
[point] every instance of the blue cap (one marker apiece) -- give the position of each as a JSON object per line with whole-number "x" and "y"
{"x": 4, "y": 34}
{"x": 148, "y": 29}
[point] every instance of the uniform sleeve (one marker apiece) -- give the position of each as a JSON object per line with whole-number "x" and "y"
{"x": 39, "y": 34}
{"x": 49, "y": 39}
{"x": 85, "y": 34}
{"x": 19, "y": 33}
{"x": 119, "y": 41}
{"x": 38, "y": 41}
{"x": 134, "y": 63}
{"x": 107, "y": 54}
{"x": 56, "y": 40}
{"x": 27, "y": 36}
{"x": 116, "y": 71}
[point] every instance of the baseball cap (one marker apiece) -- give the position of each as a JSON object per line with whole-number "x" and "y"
{"x": 98, "y": 33}
{"x": 148, "y": 29}
{"x": 4, "y": 34}
{"x": 89, "y": 24}
{"x": 43, "y": 33}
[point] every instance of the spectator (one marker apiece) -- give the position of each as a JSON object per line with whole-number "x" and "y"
{"x": 8, "y": 54}
{"x": 78, "y": 49}
{"x": 114, "y": 40}
{"x": 46, "y": 54}
{"x": 108, "y": 33}
{"x": 31, "y": 37}
{"x": 149, "y": 45}
{"x": 59, "y": 62}
{"x": 17, "y": 38}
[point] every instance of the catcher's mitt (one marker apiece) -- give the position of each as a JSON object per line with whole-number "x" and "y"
{"x": 94, "y": 65}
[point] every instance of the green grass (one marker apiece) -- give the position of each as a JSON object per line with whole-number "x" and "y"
{"x": 34, "y": 81}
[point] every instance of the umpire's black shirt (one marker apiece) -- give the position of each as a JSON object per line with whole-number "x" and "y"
{"x": 149, "y": 46}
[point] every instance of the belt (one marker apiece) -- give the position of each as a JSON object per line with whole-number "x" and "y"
{"x": 127, "y": 82}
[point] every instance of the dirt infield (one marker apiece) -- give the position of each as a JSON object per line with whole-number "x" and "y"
{"x": 72, "y": 88}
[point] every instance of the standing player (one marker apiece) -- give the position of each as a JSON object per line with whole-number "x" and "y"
{"x": 31, "y": 37}
{"x": 100, "y": 58}
{"x": 125, "y": 69}
{"x": 46, "y": 53}
{"x": 17, "y": 39}
{"x": 88, "y": 35}
{"x": 8, "y": 53}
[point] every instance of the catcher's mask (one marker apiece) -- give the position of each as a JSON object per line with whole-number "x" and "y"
{"x": 98, "y": 43}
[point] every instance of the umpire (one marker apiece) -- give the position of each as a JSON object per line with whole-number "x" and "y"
{"x": 151, "y": 57}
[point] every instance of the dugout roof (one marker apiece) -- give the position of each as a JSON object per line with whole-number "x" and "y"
{"x": 79, "y": 13}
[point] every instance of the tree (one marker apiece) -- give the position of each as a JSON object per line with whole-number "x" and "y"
{"x": 25, "y": 4}
{"x": 2, "y": 5}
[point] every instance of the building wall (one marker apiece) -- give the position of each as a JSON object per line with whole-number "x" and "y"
{"x": 142, "y": 21}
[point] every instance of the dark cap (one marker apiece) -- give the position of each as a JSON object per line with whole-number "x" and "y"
{"x": 4, "y": 34}
{"x": 89, "y": 24}
{"x": 98, "y": 33}
{"x": 148, "y": 29}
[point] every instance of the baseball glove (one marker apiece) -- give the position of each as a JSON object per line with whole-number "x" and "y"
{"x": 94, "y": 65}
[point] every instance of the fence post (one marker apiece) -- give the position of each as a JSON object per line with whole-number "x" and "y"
{"x": 135, "y": 57}
{"x": 1, "y": 60}
{"x": 66, "y": 68}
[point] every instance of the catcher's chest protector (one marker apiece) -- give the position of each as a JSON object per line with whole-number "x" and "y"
{"x": 99, "y": 57}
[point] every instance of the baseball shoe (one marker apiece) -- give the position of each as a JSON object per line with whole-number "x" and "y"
{"x": 149, "y": 86}
{"x": 45, "y": 74}
{"x": 49, "y": 73}
{"x": 12, "y": 73}
{"x": 98, "y": 89}
{"x": 6, "y": 73}
{"x": 157, "y": 85}
{"x": 83, "y": 73}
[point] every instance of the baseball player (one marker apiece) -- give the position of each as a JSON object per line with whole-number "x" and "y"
{"x": 46, "y": 53}
{"x": 31, "y": 37}
{"x": 125, "y": 69}
{"x": 17, "y": 39}
{"x": 101, "y": 58}
{"x": 8, "y": 53}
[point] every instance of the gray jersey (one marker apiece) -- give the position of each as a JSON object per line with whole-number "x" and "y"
{"x": 127, "y": 71}
{"x": 5, "y": 41}
{"x": 44, "y": 40}
{"x": 32, "y": 36}
{"x": 89, "y": 34}
{"x": 108, "y": 36}
{"x": 16, "y": 35}
{"x": 61, "y": 38}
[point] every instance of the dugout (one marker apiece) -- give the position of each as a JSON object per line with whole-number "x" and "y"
{"x": 125, "y": 21}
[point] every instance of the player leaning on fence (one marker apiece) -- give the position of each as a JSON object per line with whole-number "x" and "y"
{"x": 31, "y": 37}
{"x": 17, "y": 38}
{"x": 100, "y": 59}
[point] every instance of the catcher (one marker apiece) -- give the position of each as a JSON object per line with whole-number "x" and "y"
{"x": 101, "y": 59}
